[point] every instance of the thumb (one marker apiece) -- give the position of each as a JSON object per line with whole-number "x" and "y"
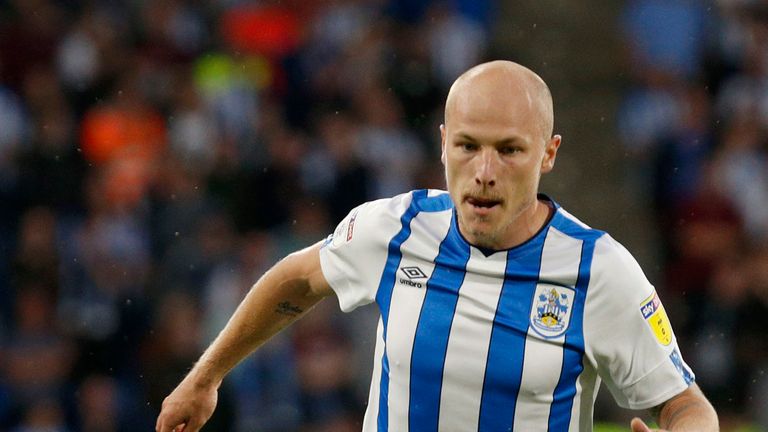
{"x": 638, "y": 425}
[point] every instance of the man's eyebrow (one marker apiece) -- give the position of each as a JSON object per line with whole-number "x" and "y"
{"x": 503, "y": 141}
{"x": 465, "y": 137}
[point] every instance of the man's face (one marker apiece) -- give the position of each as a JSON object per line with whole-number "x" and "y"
{"x": 494, "y": 155}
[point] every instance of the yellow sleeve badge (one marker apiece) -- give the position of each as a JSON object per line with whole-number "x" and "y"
{"x": 656, "y": 317}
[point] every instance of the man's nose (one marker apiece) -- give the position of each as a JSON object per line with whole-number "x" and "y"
{"x": 485, "y": 172}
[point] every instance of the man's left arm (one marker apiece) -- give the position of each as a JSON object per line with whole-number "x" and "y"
{"x": 688, "y": 411}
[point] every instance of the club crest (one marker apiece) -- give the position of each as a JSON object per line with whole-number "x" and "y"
{"x": 551, "y": 311}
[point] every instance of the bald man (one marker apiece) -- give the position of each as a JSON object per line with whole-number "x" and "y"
{"x": 499, "y": 310}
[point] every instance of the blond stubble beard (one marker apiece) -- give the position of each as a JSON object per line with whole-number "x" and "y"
{"x": 492, "y": 240}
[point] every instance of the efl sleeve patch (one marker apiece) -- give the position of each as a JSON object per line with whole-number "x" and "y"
{"x": 656, "y": 317}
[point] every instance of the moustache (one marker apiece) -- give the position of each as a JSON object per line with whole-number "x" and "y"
{"x": 482, "y": 196}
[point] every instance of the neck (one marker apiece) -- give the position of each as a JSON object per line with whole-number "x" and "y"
{"x": 525, "y": 225}
{"x": 528, "y": 223}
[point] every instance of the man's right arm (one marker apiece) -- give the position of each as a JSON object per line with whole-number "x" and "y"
{"x": 281, "y": 296}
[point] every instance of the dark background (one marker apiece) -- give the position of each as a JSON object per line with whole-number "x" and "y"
{"x": 157, "y": 156}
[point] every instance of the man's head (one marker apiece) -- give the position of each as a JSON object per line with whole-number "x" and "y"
{"x": 496, "y": 142}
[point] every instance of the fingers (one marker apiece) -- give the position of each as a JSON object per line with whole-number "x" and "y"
{"x": 170, "y": 422}
{"x": 193, "y": 426}
{"x": 186, "y": 409}
{"x": 638, "y": 425}
{"x": 188, "y": 425}
{"x": 174, "y": 427}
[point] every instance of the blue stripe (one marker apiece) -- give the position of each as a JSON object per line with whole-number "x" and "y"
{"x": 437, "y": 203}
{"x": 573, "y": 352}
{"x": 504, "y": 367}
{"x": 434, "y": 326}
{"x": 681, "y": 368}
{"x": 573, "y": 229}
{"x": 384, "y": 298}
{"x": 573, "y": 346}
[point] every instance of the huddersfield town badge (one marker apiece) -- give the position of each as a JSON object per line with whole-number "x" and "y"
{"x": 551, "y": 311}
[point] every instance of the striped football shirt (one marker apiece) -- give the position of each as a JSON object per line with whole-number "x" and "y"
{"x": 510, "y": 340}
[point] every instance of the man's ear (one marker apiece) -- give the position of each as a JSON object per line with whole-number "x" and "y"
{"x": 550, "y": 153}
{"x": 442, "y": 143}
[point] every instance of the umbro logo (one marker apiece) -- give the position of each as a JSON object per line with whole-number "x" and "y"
{"x": 413, "y": 274}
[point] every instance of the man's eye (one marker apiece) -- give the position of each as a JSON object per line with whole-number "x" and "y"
{"x": 508, "y": 150}
{"x": 468, "y": 146}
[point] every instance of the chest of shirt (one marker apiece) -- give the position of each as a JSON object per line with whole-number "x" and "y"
{"x": 488, "y": 312}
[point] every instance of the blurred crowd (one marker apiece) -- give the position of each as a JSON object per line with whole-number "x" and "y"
{"x": 157, "y": 156}
{"x": 694, "y": 125}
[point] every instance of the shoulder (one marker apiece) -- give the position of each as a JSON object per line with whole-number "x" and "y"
{"x": 617, "y": 274}
{"x": 612, "y": 257}
{"x": 415, "y": 201}
{"x": 612, "y": 265}
{"x": 572, "y": 226}
{"x": 379, "y": 218}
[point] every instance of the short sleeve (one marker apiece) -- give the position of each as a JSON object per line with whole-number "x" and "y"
{"x": 353, "y": 257}
{"x": 628, "y": 334}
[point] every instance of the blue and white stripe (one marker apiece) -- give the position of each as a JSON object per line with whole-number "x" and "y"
{"x": 456, "y": 350}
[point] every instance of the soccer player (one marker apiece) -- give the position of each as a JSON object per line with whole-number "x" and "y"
{"x": 499, "y": 310}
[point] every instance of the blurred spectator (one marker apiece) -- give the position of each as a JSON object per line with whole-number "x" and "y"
{"x": 126, "y": 127}
{"x": 742, "y": 172}
{"x": 37, "y": 260}
{"x": 704, "y": 147}
{"x": 105, "y": 404}
{"x": 28, "y": 41}
{"x": 332, "y": 168}
{"x": 666, "y": 36}
{"x": 52, "y": 168}
{"x": 386, "y": 143}
{"x": 265, "y": 379}
{"x": 15, "y": 131}
{"x": 192, "y": 133}
{"x": 681, "y": 155}
{"x": 194, "y": 254}
{"x": 328, "y": 394}
{"x": 98, "y": 404}
{"x": 105, "y": 265}
{"x": 456, "y": 43}
{"x": 277, "y": 181}
{"x": 706, "y": 230}
{"x": 37, "y": 358}
{"x": 44, "y": 415}
{"x": 173, "y": 345}
{"x": 757, "y": 267}
{"x": 745, "y": 91}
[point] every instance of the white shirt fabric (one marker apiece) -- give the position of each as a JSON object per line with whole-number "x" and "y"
{"x": 517, "y": 339}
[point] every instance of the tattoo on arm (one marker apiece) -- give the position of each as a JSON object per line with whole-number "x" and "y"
{"x": 288, "y": 309}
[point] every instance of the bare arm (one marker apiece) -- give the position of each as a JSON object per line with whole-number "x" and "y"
{"x": 281, "y": 296}
{"x": 688, "y": 411}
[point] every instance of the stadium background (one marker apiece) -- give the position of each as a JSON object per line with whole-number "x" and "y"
{"x": 157, "y": 156}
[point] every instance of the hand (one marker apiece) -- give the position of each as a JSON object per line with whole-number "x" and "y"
{"x": 638, "y": 425}
{"x": 187, "y": 408}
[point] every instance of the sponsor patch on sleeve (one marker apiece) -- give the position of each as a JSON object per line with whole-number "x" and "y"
{"x": 656, "y": 317}
{"x": 351, "y": 226}
{"x": 345, "y": 230}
